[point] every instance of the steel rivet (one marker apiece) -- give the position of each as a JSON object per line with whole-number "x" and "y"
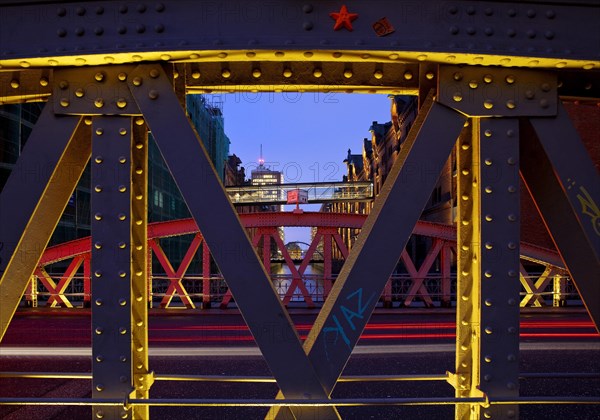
{"x": 122, "y": 273}
{"x": 43, "y": 81}
{"x": 79, "y": 93}
{"x": 288, "y": 73}
{"x": 140, "y": 349}
{"x": 63, "y": 84}
{"x": 378, "y": 74}
{"x": 488, "y": 162}
{"x": 308, "y": 26}
{"x": 512, "y": 245}
{"x": 98, "y": 273}
{"x": 64, "y": 102}
{"x": 87, "y": 121}
{"x": 121, "y": 103}
{"x": 429, "y": 75}
{"x": 473, "y": 84}
{"x": 489, "y": 245}
{"x": 317, "y": 73}
{"x": 122, "y": 188}
{"x": 99, "y": 76}
{"x": 98, "y": 188}
{"x": 488, "y": 330}
{"x": 488, "y": 218}
{"x": 465, "y": 146}
{"x": 488, "y": 133}
{"x": 488, "y": 358}
{"x": 488, "y": 104}
{"x": 225, "y": 73}
{"x": 488, "y": 274}
{"x": 408, "y": 75}
{"x": 511, "y": 330}
{"x": 79, "y": 31}
{"x": 139, "y": 171}
{"x": 457, "y": 97}
{"x": 510, "y": 104}
{"x": 510, "y": 79}
{"x": 99, "y": 302}
{"x": 512, "y": 273}
{"x": 512, "y": 302}
{"x": 98, "y": 216}
{"x": 488, "y": 189}
{"x": 100, "y": 387}
{"x": 487, "y": 415}
{"x": 488, "y": 302}
{"x": 153, "y": 94}
{"x": 98, "y": 245}
{"x": 99, "y": 102}
{"x": 122, "y": 216}
{"x": 122, "y": 302}
{"x": 154, "y": 73}
{"x": 544, "y": 103}
{"x": 98, "y": 159}
{"x": 100, "y": 414}
{"x": 122, "y": 245}
{"x": 137, "y": 81}
{"x": 99, "y": 330}
{"x": 99, "y": 358}
{"x": 487, "y": 378}
{"x": 511, "y": 358}
{"x": 122, "y": 331}
{"x": 511, "y": 414}
{"x": 512, "y": 218}
{"x": 122, "y": 160}
{"x": 465, "y": 172}
{"x": 14, "y": 84}
{"x": 347, "y": 74}
{"x": 511, "y": 189}
{"x": 122, "y": 358}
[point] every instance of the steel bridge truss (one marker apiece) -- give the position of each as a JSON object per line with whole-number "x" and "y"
{"x": 503, "y": 106}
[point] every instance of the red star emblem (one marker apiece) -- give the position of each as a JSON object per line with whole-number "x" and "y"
{"x": 343, "y": 19}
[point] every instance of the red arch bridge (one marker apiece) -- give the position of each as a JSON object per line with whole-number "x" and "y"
{"x": 547, "y": 287}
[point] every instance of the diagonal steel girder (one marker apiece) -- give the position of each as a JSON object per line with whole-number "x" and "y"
{"x": 384, "y": 235}
{"x": 565, "y": 187}
{"x": 217, "y": 219}
{"x": 34, "y": 198}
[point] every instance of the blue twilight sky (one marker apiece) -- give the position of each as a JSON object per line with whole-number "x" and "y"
{"x": 304, "y": 135}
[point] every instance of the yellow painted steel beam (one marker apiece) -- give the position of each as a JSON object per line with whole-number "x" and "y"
{"x": 48, "y": 209}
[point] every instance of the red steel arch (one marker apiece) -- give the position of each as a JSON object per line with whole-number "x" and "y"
{"x": 265, "y": 227}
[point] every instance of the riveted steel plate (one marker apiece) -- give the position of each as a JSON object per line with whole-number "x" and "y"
{"x": 508, "y": 92}
{"x": 93, "y": 91}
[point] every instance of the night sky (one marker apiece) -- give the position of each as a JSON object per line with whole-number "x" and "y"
{"x": 305, "y": 135}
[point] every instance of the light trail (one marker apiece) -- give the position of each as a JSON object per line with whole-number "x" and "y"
{"x": 253, "y": 351}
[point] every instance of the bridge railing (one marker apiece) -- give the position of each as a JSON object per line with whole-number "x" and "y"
{"x": 560, "y": 291}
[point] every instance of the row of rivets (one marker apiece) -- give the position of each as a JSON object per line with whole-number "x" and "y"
{"x": 287, "y": 73}
{"x": 99, "y": 10}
